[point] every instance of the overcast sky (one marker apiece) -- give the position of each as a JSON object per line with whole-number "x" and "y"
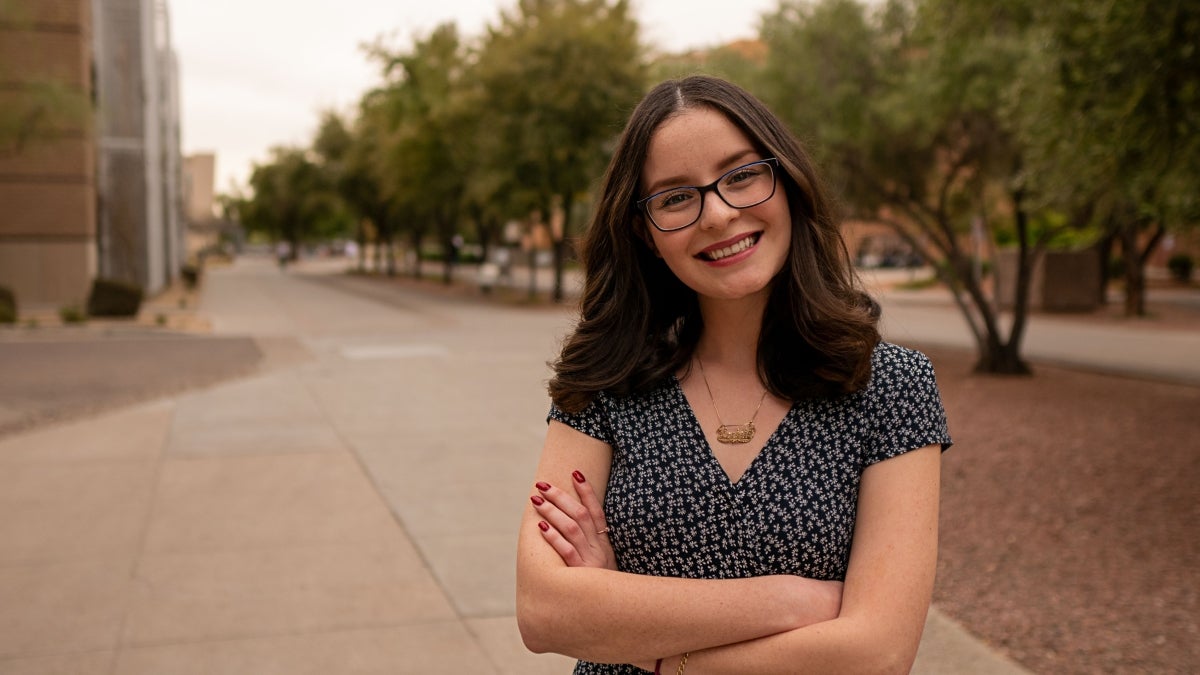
{"x": 257, "y": 73}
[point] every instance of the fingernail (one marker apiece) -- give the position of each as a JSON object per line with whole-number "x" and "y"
{"x": 577, "y": 476}
{"x": 544, "y": 526}
{"x": 542, "y": 486}
{"x": 537, "y": 501}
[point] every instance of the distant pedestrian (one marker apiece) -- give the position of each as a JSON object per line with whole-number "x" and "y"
{"x": 738, "y": 474}
{"x": 283, "y": 253}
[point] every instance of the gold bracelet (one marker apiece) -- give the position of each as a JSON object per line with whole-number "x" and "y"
{"x": 682, "y": 663}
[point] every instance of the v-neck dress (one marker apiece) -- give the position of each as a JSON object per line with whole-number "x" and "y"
{"x": 673, "y": 511}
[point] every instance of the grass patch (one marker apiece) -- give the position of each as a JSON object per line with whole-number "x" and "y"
{"x": 919, "y": 284}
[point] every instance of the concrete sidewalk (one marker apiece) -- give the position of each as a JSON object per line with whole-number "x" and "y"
{"x": 348, "y": 508}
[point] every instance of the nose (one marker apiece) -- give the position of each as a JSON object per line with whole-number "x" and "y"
{"x": 714, "y": 212}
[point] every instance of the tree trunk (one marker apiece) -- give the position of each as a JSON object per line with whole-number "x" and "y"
{"x": 1135, "y": 283}
{"x": 1025, "y": 261}
{"x": 362, "y": 248}
{"x": 1135, "y": 291}
{"x": 389, "y": 252}
{"x": 1104, "y": 249}
{"x": 532, "y": 273}
{"x": 449, "y": 259}
{"x": 1135, "y": 265}
{"x": 486, "y": 232}
{"x": 416, "y": 244}
{"x": 560, "y": 247}
{"x": 1002, "y": 359}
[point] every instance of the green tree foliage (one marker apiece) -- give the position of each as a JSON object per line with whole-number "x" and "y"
{"x": 364, "y": 183}
{"x": 426, "y": 161}
{"x": 1113, "y": 118}
{"x": 558, "y": 77}
{"x": 293, "y": 200}
{"x": 1027, "y": 122}
{"x": 908, "y": 107}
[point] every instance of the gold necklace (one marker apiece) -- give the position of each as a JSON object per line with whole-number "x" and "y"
{"x": 731, "y": 434}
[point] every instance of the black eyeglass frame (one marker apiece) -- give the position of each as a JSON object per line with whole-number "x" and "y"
{"x": 641, "y": 204}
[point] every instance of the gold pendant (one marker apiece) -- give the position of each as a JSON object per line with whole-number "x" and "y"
{"x": 735, "y": 434}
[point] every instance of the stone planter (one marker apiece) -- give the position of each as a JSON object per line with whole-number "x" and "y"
{"x": 1062, "y": 281}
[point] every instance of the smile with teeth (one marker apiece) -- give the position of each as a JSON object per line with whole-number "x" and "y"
{"x": 732, "y": 249}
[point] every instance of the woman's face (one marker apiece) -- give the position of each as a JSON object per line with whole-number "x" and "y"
{"x": 728, "y": 254}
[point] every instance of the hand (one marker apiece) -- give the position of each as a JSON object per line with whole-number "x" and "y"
{"x": 574, "y": 526}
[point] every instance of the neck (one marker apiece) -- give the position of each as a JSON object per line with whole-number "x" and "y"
{"x": 731, "y": 331}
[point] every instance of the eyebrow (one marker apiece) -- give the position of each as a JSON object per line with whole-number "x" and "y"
{"x": 681, "y": 180}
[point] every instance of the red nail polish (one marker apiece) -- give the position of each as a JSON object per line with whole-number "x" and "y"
{"x": 544, "y": 526}
{"x": 537, "y": 501}
{"x": 542, "y": 486}
{"x": 577, "y": 476}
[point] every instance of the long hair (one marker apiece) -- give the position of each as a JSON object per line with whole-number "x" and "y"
{"x": 639, "y": 324}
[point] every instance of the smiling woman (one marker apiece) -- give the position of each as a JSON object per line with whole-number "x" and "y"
{"x": 666, "y": 532}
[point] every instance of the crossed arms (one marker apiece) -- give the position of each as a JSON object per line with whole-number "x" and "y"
{"x": 571, "y": 599}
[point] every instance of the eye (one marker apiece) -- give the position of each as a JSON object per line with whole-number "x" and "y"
{"x": 672, "y": 200}
{"x": 743, "y": 174}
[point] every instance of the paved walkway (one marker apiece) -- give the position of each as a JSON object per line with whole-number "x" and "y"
{"x": 348, "y": 508}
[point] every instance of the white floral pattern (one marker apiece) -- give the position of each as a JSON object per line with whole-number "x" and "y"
{"x": 672, "y": 510}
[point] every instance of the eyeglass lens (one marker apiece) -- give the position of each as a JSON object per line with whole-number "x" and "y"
{"x": 740, "y": 188}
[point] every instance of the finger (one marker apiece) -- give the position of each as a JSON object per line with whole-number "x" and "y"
{"x": 564, "y": 549}
{"x": 565, "y": 525}
{"x": 587, "y": 496}
{"x": 573, "y": 520}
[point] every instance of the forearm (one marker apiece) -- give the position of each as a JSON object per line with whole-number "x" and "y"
{"x": 839, "y": 646}
{"x": 617, "y": 617}
{"x": 889, "y": 583}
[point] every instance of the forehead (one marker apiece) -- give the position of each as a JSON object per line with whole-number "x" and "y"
{"x": 694, "y": 142}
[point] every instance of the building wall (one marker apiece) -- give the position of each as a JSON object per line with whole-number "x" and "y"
{"x": 174, "y": 222}
{"x": 139, "y": 220}
{"x": 47, "y": 177}
{"x": 199, "y": 172}
{"x": 90, "y": 183}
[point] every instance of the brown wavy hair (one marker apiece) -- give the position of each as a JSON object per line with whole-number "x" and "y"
{"x": 639, "y": 324}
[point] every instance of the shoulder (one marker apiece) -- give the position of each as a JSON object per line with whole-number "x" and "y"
{"x": 893, "y": 365}
{"x": 609, "y": 409}
{"x": 904, "y": 402}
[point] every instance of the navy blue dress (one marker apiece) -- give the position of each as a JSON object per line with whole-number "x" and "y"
{"x": 672, "y": 510}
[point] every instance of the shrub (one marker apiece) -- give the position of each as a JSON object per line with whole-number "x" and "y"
{"x": 8, "y": 306}
{"x": 190, "y": 273}
{"x": 1181, "y": 265}
{"x": 110, "y": 297}
{"x": 70, "y": 314}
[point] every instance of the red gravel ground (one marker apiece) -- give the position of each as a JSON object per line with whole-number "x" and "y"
{"x": 1070, "y": 512}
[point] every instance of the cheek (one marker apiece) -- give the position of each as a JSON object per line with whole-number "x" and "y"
{"x": 655, "y": 242}
{"x": 646, "y": 233}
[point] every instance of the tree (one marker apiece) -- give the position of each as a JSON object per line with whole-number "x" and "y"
{"x": 1117, "y": 120}
{"x": 909, "y": 108}
{"x": 558, "y": 77}
{"x": 426, "y": 157}
{"x": 292, "y": 200}
{"x": 363, "y": 182}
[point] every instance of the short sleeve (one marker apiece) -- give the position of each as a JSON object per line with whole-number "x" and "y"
{"x": 905, "y": 403}
{"x": 592, "y": 420}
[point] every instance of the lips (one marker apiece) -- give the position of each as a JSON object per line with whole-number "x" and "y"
{"x": 727, "y": 248}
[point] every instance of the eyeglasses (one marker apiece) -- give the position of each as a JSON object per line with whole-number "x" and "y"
{"x": 741, "y": 188}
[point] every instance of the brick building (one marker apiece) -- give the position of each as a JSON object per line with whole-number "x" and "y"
{"x": 89, "y": 148}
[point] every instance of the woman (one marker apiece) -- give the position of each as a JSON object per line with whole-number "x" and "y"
{"x": 738, "y": 476}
